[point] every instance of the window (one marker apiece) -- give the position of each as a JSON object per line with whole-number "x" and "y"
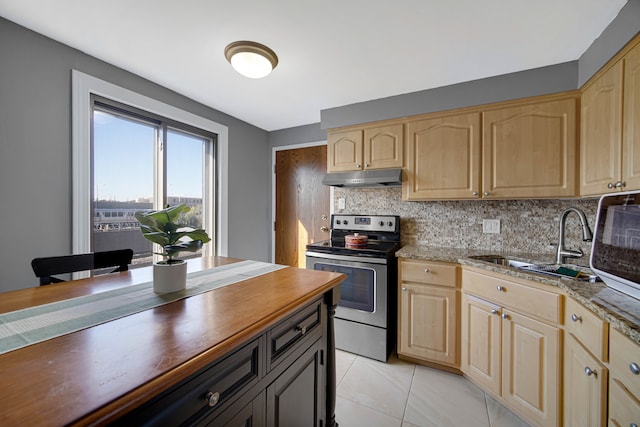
{"x": 165, "y": 138}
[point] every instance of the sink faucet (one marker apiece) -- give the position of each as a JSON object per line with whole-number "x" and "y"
{"x": 587, "y": 236}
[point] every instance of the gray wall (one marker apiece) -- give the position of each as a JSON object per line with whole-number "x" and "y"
{"x": 35, "y": 154}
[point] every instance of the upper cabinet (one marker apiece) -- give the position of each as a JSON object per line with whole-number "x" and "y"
{"x": 379, "y": 147}
{"x": 443, "y": 158}
{"x": 529, "y": 150}
{"x": 519, "y": 149}
{"x": 610, "y": 128}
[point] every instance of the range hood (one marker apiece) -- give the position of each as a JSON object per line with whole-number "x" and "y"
{"x": 364, "y": 179}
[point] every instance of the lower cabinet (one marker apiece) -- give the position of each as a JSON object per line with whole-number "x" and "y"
{"x": 624, "y": 394}
{"x": 514, "y": 356}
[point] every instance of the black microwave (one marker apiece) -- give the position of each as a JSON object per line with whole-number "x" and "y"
{"x": 615, "y": 254}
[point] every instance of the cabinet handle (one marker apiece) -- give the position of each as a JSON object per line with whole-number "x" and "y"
{"x": 590, "y": 372}
{"x": 366, "y": 165}
{"x": 358, "y": 166}
{"x": 486, "y": 193}
{"x": 494, "y": 311}
{"x": 634, "y": 368}
{"x": 576, "y": 318}
{"x": 621, "y": 184}
{"x": 499, "y": 288}
{"x": 633, "y": 425}
{"x": 324, "y": 228}
{"x": 404, "y": 289}
{"x": 302, "y": 329}
{"x": 212, "y": 398}
{"x": 610, "y": 185}
{"x": 426, "y": 270}
{"x": 474, "y": 193}
{"x": 504, "y": 316}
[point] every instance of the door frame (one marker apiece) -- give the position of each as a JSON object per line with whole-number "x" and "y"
{"x": 274, "y": 150}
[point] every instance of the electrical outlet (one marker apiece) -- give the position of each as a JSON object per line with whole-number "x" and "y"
{"x": 341, "y": 203}
{"x": 491, "y": 226}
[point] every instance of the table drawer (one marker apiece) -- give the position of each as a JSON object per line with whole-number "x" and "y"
{"x": 432, "y": 273}
{"x": 625, "y": 362}
{"x": 208, "y": 391}
{"x": 588, "y": 327}
{"x": 296, "y": 328}
{"x": 536, "y": 302}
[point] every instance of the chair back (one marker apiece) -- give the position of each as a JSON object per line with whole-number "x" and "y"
{"x": 46, "y": 267}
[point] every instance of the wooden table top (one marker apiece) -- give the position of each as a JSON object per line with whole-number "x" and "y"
{"x": 97, "y": 374}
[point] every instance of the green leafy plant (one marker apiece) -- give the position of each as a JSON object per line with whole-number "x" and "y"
{"x": 163, "y": 227}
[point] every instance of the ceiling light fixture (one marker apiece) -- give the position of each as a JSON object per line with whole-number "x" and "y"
{"x": 251, "y": 59}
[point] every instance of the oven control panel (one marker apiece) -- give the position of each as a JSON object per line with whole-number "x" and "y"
{"x": 389, "y": 223}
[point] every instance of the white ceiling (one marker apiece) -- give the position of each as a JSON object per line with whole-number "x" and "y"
{"x": 331, "y": 52}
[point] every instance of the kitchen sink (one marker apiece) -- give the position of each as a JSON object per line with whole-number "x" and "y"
{"x": 550, "y": 269}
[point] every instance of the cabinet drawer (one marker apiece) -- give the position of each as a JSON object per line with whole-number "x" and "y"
{"x": 296, "y": 328}
{"x": 203, "y": 394}
{"x": 624, "y": 409}
{"x": 625, "y": 362}
{"x": 591, "y": 330}
{"x": 536, "y": 302}
{"x": 431, "y": 273}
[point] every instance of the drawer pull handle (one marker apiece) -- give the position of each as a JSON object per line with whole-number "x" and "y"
{"x": 494, "y": 311}
{"x": 633, "y": 425}
{"x": 633, "y": 367}
{"x": 426, "y": 270}
{"x": 404, "y": 289}
{"x": 302, "y": 329}
{"x": 590, "y": 372}
{"x": 576, "y": 318}
{"x": 213, "y": 398}
{"x": 499, "y": 288}
{"x": 505, "y": 316}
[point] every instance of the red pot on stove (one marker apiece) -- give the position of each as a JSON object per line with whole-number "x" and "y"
{"x": 355, "y": 240}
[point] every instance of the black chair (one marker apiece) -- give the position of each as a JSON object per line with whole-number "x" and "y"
{"x": 45, "y": 268}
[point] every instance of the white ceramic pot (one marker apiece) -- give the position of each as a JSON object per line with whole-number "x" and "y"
{"x": 169, "y": 277}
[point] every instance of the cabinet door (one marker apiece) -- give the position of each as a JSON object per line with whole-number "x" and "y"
{"x": 601, "y": 132}
{"x": 443, "y": 158}
{"x": 530, "y": 368}
{"x": 530, "y": 150}
{"x": 481, "y": 342}
{"x": 384, "y": 147}
{"x": 428, "y": 327}
{"x": 295, "y": 397}
{"x": 251, "y": 414}
{"x": 624, "y": 409}
{"x": 631, "y": 121}
{"x": 344, "y": 151}
{"x": 585, "y": 392}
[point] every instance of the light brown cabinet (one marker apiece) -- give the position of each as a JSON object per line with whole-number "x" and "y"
{"x": 378, "y": 147}
{"x": 429, "y": 299}
{"x": 529, "y": 150}
{"x": 519, "y": 149}
{"x": 514, "y": 355}
{"x": 443, "y": 158}
{"x": 610, "y": 128}
{"x": 624, "y": 396}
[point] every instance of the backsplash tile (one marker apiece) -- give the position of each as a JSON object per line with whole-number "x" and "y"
{"x": 530, "y": 226}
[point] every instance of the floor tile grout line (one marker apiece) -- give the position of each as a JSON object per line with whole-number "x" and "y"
{"x": 486, "y": 407}
{"x": 371, "y": 408}
{"x": 406, "y": 403}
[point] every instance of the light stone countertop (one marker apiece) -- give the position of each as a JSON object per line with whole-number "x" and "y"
{"x": 620, "y": 310}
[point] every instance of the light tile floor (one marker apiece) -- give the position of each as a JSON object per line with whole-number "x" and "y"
{"x": 401, "y": 394}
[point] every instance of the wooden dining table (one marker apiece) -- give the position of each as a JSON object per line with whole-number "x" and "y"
{"x": 96, "y": 375}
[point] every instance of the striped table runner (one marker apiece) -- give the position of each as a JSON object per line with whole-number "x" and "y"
{"x": 35, "y": 324}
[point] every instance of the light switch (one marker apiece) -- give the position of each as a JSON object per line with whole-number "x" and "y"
{"x": 491, "y": 226}
{"x": 341, "y": 203}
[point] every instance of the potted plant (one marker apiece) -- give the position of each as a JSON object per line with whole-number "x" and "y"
{"x": 164, "y": 228}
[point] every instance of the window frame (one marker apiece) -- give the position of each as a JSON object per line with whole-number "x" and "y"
{"x": 83, "y": 86}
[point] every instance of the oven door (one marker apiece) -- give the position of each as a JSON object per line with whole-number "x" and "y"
{"x": 363, "y": 294}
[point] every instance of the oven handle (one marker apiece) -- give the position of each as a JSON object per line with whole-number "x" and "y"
{"x": 346, "y": 258}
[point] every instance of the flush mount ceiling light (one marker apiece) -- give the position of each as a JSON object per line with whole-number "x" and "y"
{"x": 251, "y": 59}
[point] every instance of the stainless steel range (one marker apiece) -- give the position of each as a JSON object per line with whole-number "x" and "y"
{"x": 362, "y": 247}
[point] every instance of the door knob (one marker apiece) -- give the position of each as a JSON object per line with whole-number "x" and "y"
{"x": 324, "y": 228}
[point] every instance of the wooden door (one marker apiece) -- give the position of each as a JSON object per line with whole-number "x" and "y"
{"x": 585, "y": 396}
{"x": 428, "y": 326}
{"x": 601, "y": 133}
{"x": 344, "y": 151}
{"x": 481, "y": 342}
{"x": 384, "y": 147}
{"x": 530, "y": 368}
{"x": 631, "y": 121}
{"x": 302, "y": 203}
{"x": 443, "y": 158}
{"x": 530, "y": 150}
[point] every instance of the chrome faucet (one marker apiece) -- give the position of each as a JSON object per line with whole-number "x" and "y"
{"x": 587, "y": 236}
